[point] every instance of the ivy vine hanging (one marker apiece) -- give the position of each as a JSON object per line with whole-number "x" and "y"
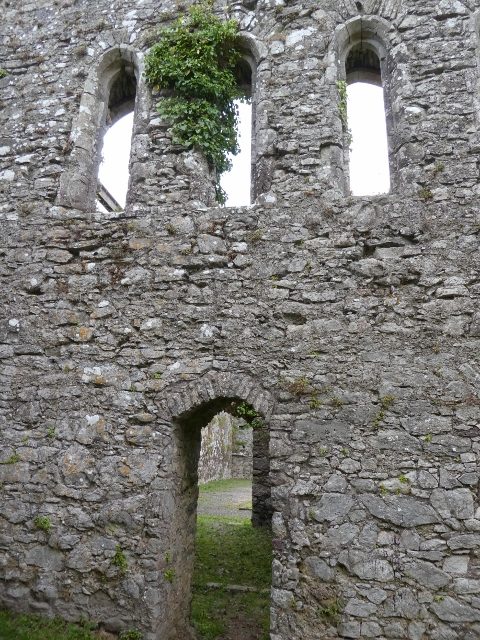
{"x": 196, "y": 59}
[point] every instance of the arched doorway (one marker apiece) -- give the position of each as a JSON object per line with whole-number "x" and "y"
{"x": 187, "y": 435}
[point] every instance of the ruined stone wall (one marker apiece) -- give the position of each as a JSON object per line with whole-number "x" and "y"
{"x": 350, "y": 324}
{"x": 226, "y": 450}
{"x": 215, "y": 462}
{"x": 242, "y": 454}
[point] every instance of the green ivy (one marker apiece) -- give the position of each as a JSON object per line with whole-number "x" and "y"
{"x": 119, "y": 560}
{"x": 195, "y": 59}
{"x": 343, "y": 110}
{"x": 248, "y": 413}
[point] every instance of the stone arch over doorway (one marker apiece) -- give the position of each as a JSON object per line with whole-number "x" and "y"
{"x": 188, "y": 408}
{"x": 184, "y": 399}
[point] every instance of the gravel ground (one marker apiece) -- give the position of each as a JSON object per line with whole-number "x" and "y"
{"x": 232, "y": 499}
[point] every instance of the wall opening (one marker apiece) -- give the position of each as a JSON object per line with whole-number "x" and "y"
{"x": 368, "y": 155}
{"x": 237, "y": 182}
{"x": 225, "y": 523}
{"x": 110, "y": 93}
{"x": 113, "y": 172}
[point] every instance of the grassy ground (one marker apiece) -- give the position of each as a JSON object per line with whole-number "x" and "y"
{"x": 20, "y": 627}
{"x": 231, "y": 552}
{"x": 29, "y": 627}
{"x": 223, "y": 485}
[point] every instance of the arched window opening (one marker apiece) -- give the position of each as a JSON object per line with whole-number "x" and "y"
{"x": 237, "y": 182}
{"x": 225, "y": 495}
{"x": 369, "y": 160}
{"x": 110, "y": 93}
{"x": 113, "y": 173}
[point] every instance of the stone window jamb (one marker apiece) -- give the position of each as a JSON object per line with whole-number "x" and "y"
{"x": 78, "y": 184}
{"x": 370, "y": 31}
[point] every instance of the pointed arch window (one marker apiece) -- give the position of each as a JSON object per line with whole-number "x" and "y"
{"x": 110, "y": 93}
{"x": 113, "y": 172}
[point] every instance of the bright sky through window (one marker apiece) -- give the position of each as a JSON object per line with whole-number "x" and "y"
{"x": 369, "y": 170}
{"x": 113, "y": 171}
{"x": 236, "y": 182}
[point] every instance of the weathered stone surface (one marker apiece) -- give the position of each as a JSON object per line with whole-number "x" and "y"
{"x": 360, "y": 609}
{"x": 405, "y": 511}
{"x": 427, "y": 574}
{"x": 333, "y": 506}
{"x": 45, "y": 558}
{"x": 350, "y": 629}
{"x": 350, "y": 324}
{"x": 457, "y": 503}
{"x": 319, "y": 568}
{"x": 456, "y": 565}
{"x": 365, "y": 567}
{"x": 464, "y": 541}
{"x": 450, "y": 610}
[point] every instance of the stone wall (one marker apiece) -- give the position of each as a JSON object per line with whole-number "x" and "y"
{"x": 350, "y": 324}
{"x": 215, "y": 462}
{"x": 242, "y": 454}
{"x": 226, "y": 449}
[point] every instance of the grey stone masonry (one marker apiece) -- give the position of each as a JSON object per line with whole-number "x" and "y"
{"x": 226, "y": 449}
{"x": 351, "y": 325}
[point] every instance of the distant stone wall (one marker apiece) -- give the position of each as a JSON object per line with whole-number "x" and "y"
{"x": 226, "y": 450}
{"x": 215, "y": 461}
{"x": 242, "y": 452}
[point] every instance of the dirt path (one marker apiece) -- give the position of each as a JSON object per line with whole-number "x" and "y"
{"x": 231, "y": 498}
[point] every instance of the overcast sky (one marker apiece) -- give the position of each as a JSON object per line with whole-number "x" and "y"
{"x": 368, "y": 157}
{"x": 369, "y": 171}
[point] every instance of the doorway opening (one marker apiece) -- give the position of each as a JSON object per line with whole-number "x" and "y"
{"x": 226, "y": 495}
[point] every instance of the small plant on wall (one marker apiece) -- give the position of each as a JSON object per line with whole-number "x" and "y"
{"x": 343, "y": 109}
{"x": 248, "y": 413}
{"x": 195, "y": 59}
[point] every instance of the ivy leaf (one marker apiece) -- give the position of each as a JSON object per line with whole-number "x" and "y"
{"x": 196, "y": 58}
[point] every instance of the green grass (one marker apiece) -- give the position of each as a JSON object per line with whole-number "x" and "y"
{"x": 223, "y": 485}
{"x": 231, "y": 552}
{"x": 23, "y": 627}
{"x": 245, "y": 506}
